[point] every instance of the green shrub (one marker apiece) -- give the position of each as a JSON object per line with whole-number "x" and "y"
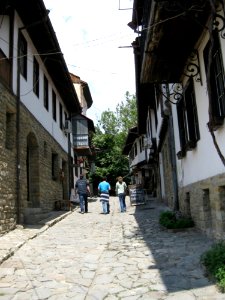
{"x": 214, "y": 262}
{"x": 169, "y": 220}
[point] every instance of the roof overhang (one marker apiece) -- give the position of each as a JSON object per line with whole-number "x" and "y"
{"x": 86, "y": 91}
{"x": 36, "y": 21}
{"x": 85, "y": 151}
{"x": 131, "y": 137}
{"x": 90, "y": 122}
{"x": 169, "y": 36}
{"x": 145, "y": 99}
{"x": 140, "y": 165}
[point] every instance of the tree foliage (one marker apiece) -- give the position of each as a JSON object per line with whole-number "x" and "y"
{"x": 109, "y": 140}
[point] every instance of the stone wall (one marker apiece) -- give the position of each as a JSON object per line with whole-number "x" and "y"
{"x": 7, "y": 162}
{"x": 204, "y": 201}
{"x": 40, "y": 179}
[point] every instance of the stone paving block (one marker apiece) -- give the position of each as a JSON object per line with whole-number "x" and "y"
{"x": 93, "y": 257}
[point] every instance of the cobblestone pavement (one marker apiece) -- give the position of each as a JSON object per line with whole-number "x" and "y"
{"x": 94, "y": 256}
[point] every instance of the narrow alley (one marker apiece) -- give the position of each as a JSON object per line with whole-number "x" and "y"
{"x": 117, "y": 256}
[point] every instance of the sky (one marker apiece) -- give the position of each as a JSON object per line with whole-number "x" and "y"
{"x": 95, "y": 41}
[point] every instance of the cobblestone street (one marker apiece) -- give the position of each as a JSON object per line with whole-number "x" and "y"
{"x": 117, "y": 256}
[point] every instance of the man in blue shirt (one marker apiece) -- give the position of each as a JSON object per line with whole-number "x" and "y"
{"x": 104, "y": 188}
{"x": 82, "y": 188}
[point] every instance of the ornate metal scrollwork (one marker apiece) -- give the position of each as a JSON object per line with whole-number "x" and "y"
{"x": 219, "y": 24}
{"x": 219, "y": 20}
{"x": 173, "y": 93}
{"x": 176, "y": 92}
{"x": 192, "y": 68}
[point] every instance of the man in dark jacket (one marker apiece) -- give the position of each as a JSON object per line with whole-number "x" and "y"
{"x": 83, "y": 189}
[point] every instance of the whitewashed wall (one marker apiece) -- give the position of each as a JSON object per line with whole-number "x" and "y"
{"x": 34, "y": 104}
{"x": 141, "y": 155}
{"x": 82, "y": 100}
{"x": 203, "y": 161}
{"x": 4, "y": 35}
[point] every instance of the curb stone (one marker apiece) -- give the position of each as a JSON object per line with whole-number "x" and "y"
{"x": 13, "y": 240}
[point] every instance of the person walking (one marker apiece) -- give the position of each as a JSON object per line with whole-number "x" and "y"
{"x": 104, "y": 188}
{"x": 121, "y": 189}
{"x": 82, "y": 189}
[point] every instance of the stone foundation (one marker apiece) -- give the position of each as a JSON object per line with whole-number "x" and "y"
{"x": 7, "y": 162}
{"x": 204, "y": 201}
{"x": 43, "y": 165}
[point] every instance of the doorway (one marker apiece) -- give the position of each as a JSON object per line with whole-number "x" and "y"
{"x": 33, "y": 176}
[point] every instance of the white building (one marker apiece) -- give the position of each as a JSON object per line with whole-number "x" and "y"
{"x": 83, "y": 130}
{"x": 140, "y": 155}
{"x": 36, "y": 98}
{"x": 179, "y": 58}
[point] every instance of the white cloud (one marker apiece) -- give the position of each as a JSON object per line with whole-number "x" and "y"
{"x": 90, "y": 34}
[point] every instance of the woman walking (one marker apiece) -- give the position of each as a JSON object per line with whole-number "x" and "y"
{"x": 121, "y": 189}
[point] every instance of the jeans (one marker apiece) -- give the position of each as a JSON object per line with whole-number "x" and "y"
{"x": 122, "y": 202}
{"x": 83, "y": 202}
{"x": 105, "y": 207}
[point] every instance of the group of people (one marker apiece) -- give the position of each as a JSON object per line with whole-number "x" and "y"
{"x": 83, "y": 190}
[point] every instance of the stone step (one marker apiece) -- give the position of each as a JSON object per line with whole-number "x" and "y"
{"x": 35, "y": 215}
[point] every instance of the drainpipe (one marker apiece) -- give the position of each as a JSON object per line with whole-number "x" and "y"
{"x": 173, "y": 160}
{"x": 69, "y": 166}
{"x": 18, "y": 199}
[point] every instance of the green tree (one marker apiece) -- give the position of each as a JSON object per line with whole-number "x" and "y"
{"x": 109, "y": 140}
{"x": 127, "y": 113}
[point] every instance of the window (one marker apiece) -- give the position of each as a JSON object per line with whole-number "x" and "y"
{"x": 141, "y": 143}
{"x": 135, "y": 149}
{"x": 45, "y": 149}
{"x": 149, "y": 123}
{"x": 188, "y": 120}
{"x": 46, "y": 93}
{"x": 60, "y": 116}
{"x": 55, "y": 168}
{"x": 131, "y": 154}
{"x": 221, "y": 203}
{"x": 36, "y": 77}
{"x": 10, "y": 125}
{"x": 5, "y": 69}
{"x": 80, "y": 132}
{"x": 207, "y": 211}
{"x": 215, "y": 81}
{"x": 65, "y": 116}
{"x": 54, "y": 111}
{"x": 76, "y": 166}
{"x": 22, "y": 53}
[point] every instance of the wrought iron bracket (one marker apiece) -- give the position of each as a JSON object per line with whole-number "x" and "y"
{"x": 192, "y": 68}
{"x": 173, "y": 93}
{"x": 219, "y": 19}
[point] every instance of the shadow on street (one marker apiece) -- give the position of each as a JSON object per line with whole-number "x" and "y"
{"x": 176, "y": 254}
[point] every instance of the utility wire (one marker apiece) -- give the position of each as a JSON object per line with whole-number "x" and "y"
{"x": 107, "y": 38}
{"x": 35, "y": 54}
{"x": 53, "y": 53}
